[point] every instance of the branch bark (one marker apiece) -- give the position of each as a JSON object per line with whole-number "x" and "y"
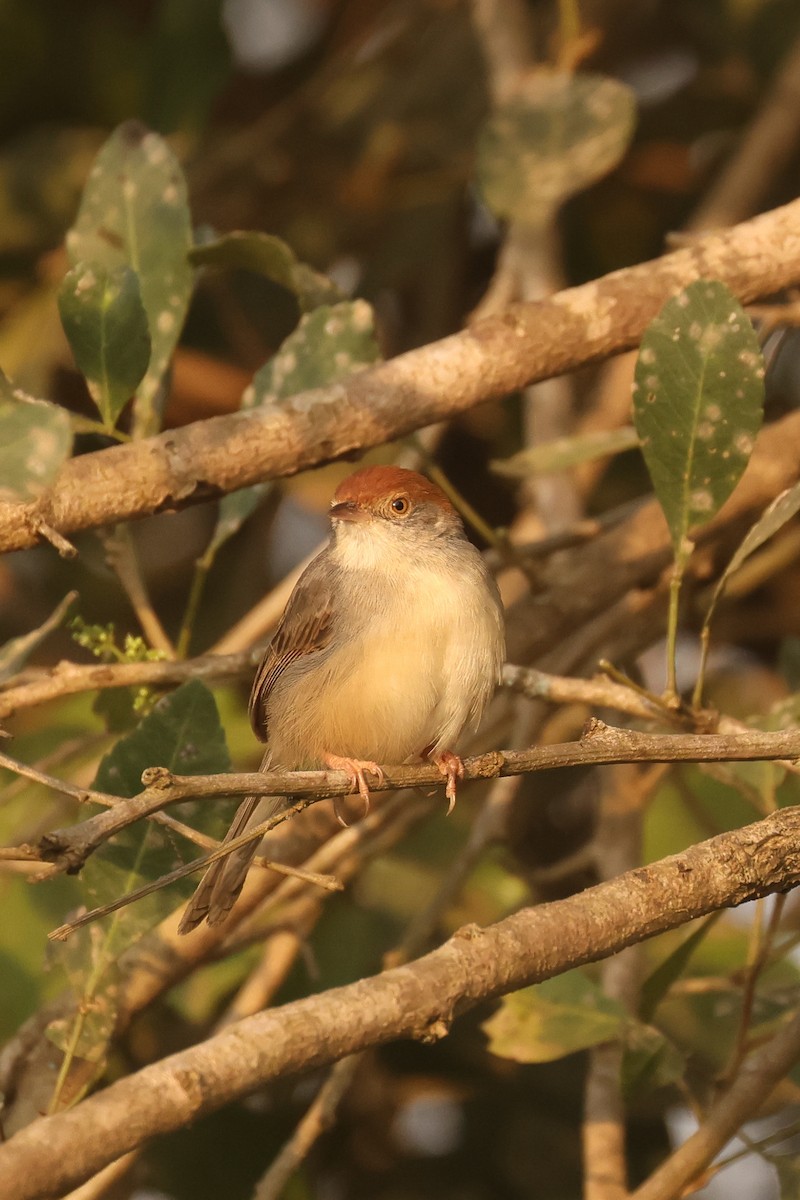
{"x": 418, "y": 1000}
{"x": 497, "y": 355}
{"x": 601, "y": 744}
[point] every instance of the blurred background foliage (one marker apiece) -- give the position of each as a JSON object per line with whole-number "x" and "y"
{"x": 351, "y": 129}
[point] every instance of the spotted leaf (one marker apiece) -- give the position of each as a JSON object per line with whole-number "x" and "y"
{"x": 134, "y": 213}
{"x": 106, "y": 325}
{"x": 35, "y": 439}
{"x": 559, "y": 134}
{"x": 698, "y": 402}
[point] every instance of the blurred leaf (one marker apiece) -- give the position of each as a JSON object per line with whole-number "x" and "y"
{"x": 86, "y": 1033}
{"x": 649, "y": 1061}
{"x": 184, "y": 734}
{"x": 189, "y": 62}
{"x": 787, "y": 1167}
{"x": 554, "y": 1018}
{"x": 563, "y": 133}
{"x": 106, "y": 325}
{"x": 698, "y": 403}
{"x": 134, "y": 213}
{"x": 270, "y": 256}
{"x": 115, "y": 708}
{"x": 15, "y": 652}
{"x": 774, "y": 517}
{"x": 789, "y": 661}
{"x": 35, "y": 439}
{"x": 656, "y": 986}
{"x": 566, "y": 452}
{"x": 233, "y": 510}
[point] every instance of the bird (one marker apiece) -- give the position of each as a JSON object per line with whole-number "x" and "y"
{"x": 390, "y": 645}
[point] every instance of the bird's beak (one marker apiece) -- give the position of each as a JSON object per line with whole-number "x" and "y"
{"x": 347, "y": 510}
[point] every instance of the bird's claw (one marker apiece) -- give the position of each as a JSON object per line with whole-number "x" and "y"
{"x": 355, "y": 769}
{"x": 452, "y": 768}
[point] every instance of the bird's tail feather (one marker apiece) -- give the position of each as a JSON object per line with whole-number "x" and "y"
{"x": 219, "y": 888}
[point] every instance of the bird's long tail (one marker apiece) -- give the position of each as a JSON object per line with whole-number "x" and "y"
{"x": 219, "y": 888}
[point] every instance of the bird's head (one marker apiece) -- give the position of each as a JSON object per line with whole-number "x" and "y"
{"x": 394, "y": 504}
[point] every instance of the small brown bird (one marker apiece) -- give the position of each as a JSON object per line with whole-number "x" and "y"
{"x": 390, "y": 645}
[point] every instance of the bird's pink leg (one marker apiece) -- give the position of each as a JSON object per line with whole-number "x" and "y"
{"x": 452, "y": 768}
{"x": 355, "y": 768}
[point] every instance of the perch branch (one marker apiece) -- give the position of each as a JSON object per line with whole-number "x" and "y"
{"x": 600, "y": 744}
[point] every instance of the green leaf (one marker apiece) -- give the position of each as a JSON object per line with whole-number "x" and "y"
{"x": 562, "y": 133}
{"x": 773, "y": 518}
{"x": 698, "y": 403}
{"x": 566, "y": 452}
{"x": 183, "y": 733}
{"x": 15, "y": 652}
{"x": 35, "y": 439}
{"x": 272, "y": 257}
{"x": 649, "y": 1061}
{"x": 658, "y": 983}
{"x": 106, "y": 326}
{"x": 554, "y": 1018}
{"x": 134, "y": 213}
{"x": 329, "y": 343}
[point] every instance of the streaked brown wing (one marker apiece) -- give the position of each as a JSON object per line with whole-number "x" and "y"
{"x": 305, "y": 628}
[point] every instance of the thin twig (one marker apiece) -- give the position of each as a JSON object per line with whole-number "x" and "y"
{"x": 123, "y": 559}
{"x": 758, "y": 1076}
{"x": 69, "y": 678}
{"x": 320, "y": 1116}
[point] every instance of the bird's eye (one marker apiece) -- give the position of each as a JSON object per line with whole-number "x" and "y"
{"x": 400, "y": 506}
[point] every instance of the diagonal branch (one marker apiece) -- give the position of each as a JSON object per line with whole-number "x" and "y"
{"x": 495, "y": 356}
{"x": 417, "y": 1000}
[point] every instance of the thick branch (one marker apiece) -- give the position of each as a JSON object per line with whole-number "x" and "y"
{"x": 417, "y": 1000}
{"x": 492, "y": 358}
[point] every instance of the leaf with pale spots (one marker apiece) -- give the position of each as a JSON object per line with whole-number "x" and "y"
{"x": 329, "y": 343}
{"x": 134, "y": 213}
{"x": 106, "y": 326}
{"x": 35, "y": 439}
{"x": 272, "y": 257}
{"x": 698, "y": 403}
{"x": 559, "y": 134}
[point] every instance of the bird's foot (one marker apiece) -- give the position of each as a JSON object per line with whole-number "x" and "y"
{"x": 452, "y": 768}
{"x": 355, "y": 768}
